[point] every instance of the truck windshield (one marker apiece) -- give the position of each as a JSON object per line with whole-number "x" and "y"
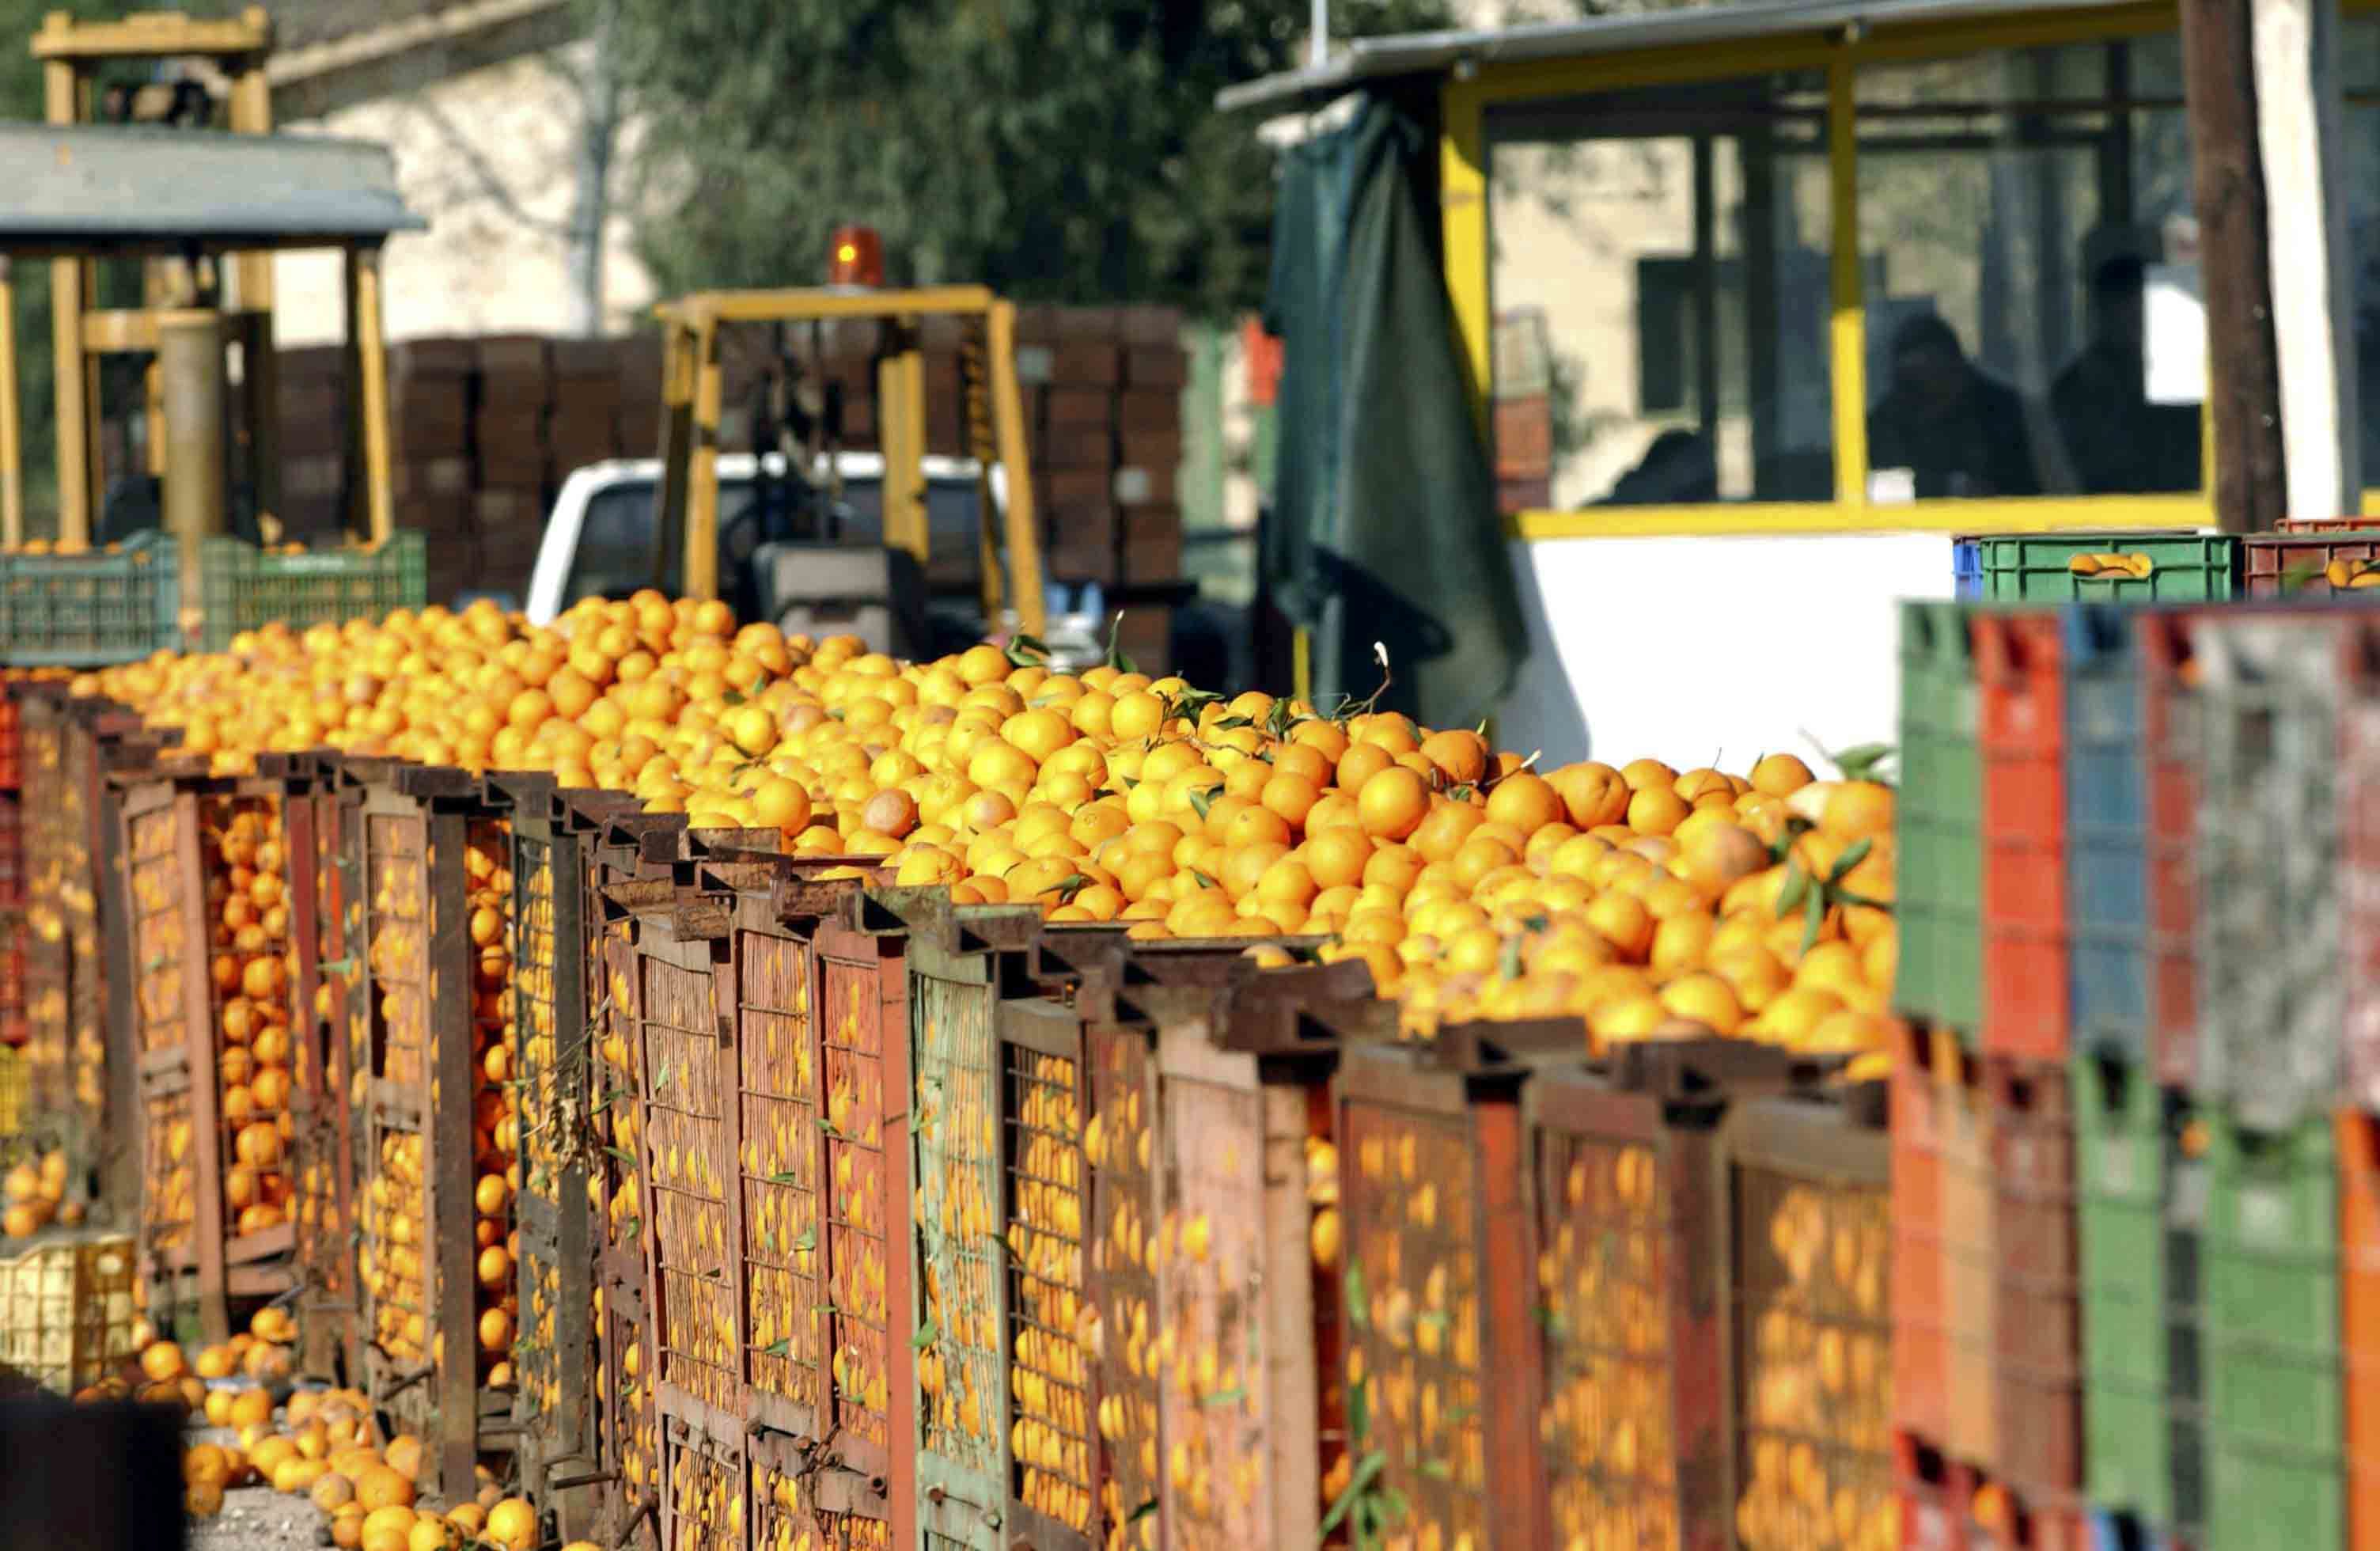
{"x": 615, "y": 554}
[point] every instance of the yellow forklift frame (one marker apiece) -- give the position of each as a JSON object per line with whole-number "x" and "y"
{"x": 690, "y": 416}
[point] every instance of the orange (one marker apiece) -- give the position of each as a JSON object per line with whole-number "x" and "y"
{"x": 1625, "y": 923}
{"x": 1392, "y": 803}
{"x": 1857, "y": 810}
{"x": 1526, "y": 802}
{"x": 511, "y": 1523}
{"x": 1461, "y": 756}
{"x": 1657, "y": 810}
{"x": 1593, "y": 794}
{"x": 1338, "y": 856}
{"x": 1780, "y": 775}
{"x": 1444, "y": 829}
{"x": 383, "y": 1488}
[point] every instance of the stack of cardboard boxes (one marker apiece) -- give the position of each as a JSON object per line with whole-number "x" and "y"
{"x": 484, "y": 431}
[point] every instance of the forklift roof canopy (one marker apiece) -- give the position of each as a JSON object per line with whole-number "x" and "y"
{"x": 84, "y": 189}
{"x": 1428, "y": 54}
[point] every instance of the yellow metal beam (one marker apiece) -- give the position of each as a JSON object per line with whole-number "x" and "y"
{"x": 2038, "y": 515}
{"x": 1015, "y": 459}
{"x": 901, "y": 428}
{"x": 700, "y": 578}
{"x": 676, "y": 443}
{"x": 12, "y": 456}
{"x": 1847, "y": 324}
{"x": 813, "y": 305}
{"x": 151, "y": 35}
{"x": 372, "y": 356}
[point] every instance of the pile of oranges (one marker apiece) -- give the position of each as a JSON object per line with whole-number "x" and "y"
{"x": 322, "y": 1445}
{"x": 251, "y": 968}
{"x": 1638, "y": 897}
{"x": 495, "y": 1120}
{"x": 36, "y": 1192}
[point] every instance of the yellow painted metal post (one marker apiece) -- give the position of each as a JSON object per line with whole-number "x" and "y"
{"x": 1847, "y": 332}
{"x": 983, "y": 445}
{"x": 677, "y": 445}
{"x": 1301, "y": 664}
{"x": 71, "y": 295}
{"x": 251, "y": 114}
{"x": 371, "y": 360}
{"x": 700, "y": 576}
{"x": 900, "y": 392}
{"x": 1024, "y": 522}
{"x": 1462, "y": 201}
{"x": 12, "y": 456}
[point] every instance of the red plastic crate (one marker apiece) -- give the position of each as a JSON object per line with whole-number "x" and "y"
{"x": 2037, "y": 1302}
{"x": 2169, "y": 734}
{"x": 2019, "y": 665}
{"x": 2294, "y": 565}
{"x": 1921, "y": 1335}
{"x": 10, "y": 766}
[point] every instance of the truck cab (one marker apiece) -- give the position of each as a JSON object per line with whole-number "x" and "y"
{"x": 601, "y": 540}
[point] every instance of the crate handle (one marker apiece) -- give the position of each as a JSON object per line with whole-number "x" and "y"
{"x": 2136, "y": 565}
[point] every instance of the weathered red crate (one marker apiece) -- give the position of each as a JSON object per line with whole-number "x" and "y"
{"x": 627, "y": 1427}
{"x": 1443, "y": 1374}
{"x": 2022, "y": 735}
{"x": 557, "y": 996}
{"x": 219, "y": 889}
{"x": 68, "y": 747}
{"x": 416, "y": 1171}
{"x": 1211, "y": 1164}
{"x": 1810, "y": 1208}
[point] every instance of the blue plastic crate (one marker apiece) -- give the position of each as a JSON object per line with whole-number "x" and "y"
{"x": 1966, "y": 570}
{"x": 2107, "y": 832}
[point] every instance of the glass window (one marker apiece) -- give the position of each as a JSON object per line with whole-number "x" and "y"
{"x": 615, "y": 538}
{"x": 615, "y": 546}
{"x": 1660, "y": 268}
{"x": 2017, "y": 212}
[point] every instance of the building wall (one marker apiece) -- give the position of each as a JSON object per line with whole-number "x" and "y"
{"x": 490, "y": 159}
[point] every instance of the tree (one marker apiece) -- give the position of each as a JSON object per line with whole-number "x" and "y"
{"x": 1059, "y": 149}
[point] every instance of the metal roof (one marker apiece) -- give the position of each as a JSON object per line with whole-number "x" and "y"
{"x": 78, "y": 187}
{"x": 1419, "y": 54}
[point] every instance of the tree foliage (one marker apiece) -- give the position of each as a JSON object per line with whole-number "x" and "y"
{"x": 1055, "y": 149}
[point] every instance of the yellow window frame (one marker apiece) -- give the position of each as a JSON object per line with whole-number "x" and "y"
{"x": 1468, "y": 95}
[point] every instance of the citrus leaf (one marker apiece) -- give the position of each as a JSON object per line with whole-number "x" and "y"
{"x": 1797, "y": 884}
{"x": 1359, "y": 1309}
{"x": 1202, "y": 798}
{"x": 928, "y": 1334}
{"x": 1814, "y": 917}
{"x": 1854, "y": 855}
{"x": 780, "y": 1348}
{"x": 806, "y": 1242}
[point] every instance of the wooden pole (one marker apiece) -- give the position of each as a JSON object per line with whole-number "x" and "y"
{"x": 2243, "y": 393}
{"x": 2298, "y": 113}
{"x": 72, "y": 293}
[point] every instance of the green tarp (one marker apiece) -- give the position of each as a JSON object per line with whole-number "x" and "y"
{"x": 1384, "y": 526}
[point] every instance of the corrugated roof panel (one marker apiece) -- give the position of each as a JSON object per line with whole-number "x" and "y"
{"x": 135, "y": 186}
{"x": 1418, "y": 54}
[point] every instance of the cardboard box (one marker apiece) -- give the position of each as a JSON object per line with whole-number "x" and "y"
{"x": 1150, "y": 324}
{"x": 1080, "y": 406}
{"x": 1157, "y": 366}
{"x": 1148, "y": 412}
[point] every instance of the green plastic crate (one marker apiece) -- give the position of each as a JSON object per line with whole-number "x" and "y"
{"x": 1940, "y": 841}
{"x": 2276, "y": 1426}
{"x": 2188, "y": 568}
{"x": 2119, "y": 1168}
{"x": 246, "y": 588}
{"x": 89, "y": 610}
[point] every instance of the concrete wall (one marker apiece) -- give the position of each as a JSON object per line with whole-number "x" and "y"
{"x": 491, "y": 159}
